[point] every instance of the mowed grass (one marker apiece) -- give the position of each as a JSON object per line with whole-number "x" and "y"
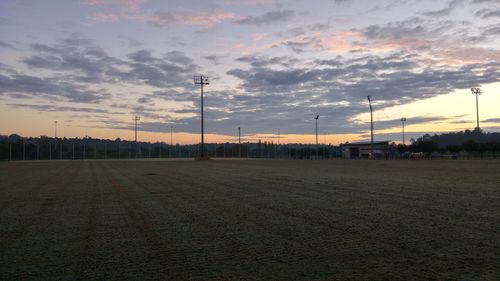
{"x": 250, "y": 220}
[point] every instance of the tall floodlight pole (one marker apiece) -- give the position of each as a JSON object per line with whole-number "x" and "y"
{"x": 55, "y": 138}
{"x": 316, "y": 119}
{"x": 403, "y": 120}
{"x": 136, "y": 118}
{"x": 171, "y": 141}
{"x": 279, "y": 136}
{"x": 239, "y": 141}
{"x": 371, "y": 126}
{"x": 201, "y": 80}
{"x": 477, "y": 92}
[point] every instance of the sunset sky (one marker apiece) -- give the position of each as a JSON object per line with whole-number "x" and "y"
{"x": 93, "y": 65}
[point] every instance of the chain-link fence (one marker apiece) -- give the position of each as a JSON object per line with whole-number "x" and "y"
{"x": 17, "y": 149}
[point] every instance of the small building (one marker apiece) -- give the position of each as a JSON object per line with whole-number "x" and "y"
{"x": 363, "y": 149}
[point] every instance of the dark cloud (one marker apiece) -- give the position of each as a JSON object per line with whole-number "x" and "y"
{"x": 492, "y": 120}
{"x": 81, "y": 61}
{"x": 267, "y": 18}
{"x": 77, "y": 55}
{"x": 342, "y": 2}
{"x": 55, "y": 108}
{"x": 256, "y": 61}
{"x": 50, "y": 88}
{"x": 450, "y": 6}
{"x": 144, "y": 100}
{"x": 488, "y": 13}
{"x": 213, "y": 59}
{"x": 485, "y": 2}
{"x": 396, "y": 123}
{"x": 4, "y": 44}
{"x": 338, "y": 89}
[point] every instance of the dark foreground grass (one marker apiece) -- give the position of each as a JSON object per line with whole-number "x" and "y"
{"x": 250, "y": 220}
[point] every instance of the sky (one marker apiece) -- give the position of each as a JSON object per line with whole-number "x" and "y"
{"x": 93, "y": 65}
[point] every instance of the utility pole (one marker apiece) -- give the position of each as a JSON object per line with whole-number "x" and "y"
{"x": 24, "y": 149}
{"x": 316, "y": 119}
{"x": 201, "y": 80}
{"x": 371, "y": 126}
{"x": 477, "y": 92}
{"x": 403, "y": 120}
{"x": 239, "y": 140}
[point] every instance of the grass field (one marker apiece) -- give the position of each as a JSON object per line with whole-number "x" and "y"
{"x": 250, "y": 220}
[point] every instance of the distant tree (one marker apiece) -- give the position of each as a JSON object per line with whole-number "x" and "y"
{"x": 424, "y": 146}
{"x": 402, "y": 148}
{"x": 470, "y": 146}
{"x": 453, "y": 148}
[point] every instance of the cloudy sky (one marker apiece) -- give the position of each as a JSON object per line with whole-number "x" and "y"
{"x": 93, "y": 65}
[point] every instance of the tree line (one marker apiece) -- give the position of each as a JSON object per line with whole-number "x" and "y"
{"x": 475, "y": 141}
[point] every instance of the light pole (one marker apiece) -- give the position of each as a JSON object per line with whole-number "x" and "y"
{"x": 201, "y": 80}
{"x": 135, "y": 120}
{"x": 477, "y": 92}
{"x": 371, "y": 126}
{"x": 55, "y": 139}
{"x": 403, "y": 120}
{"x": 171, "y": 142}
{"x": 239, "y": 141}
{"x": 316, "y": 119}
